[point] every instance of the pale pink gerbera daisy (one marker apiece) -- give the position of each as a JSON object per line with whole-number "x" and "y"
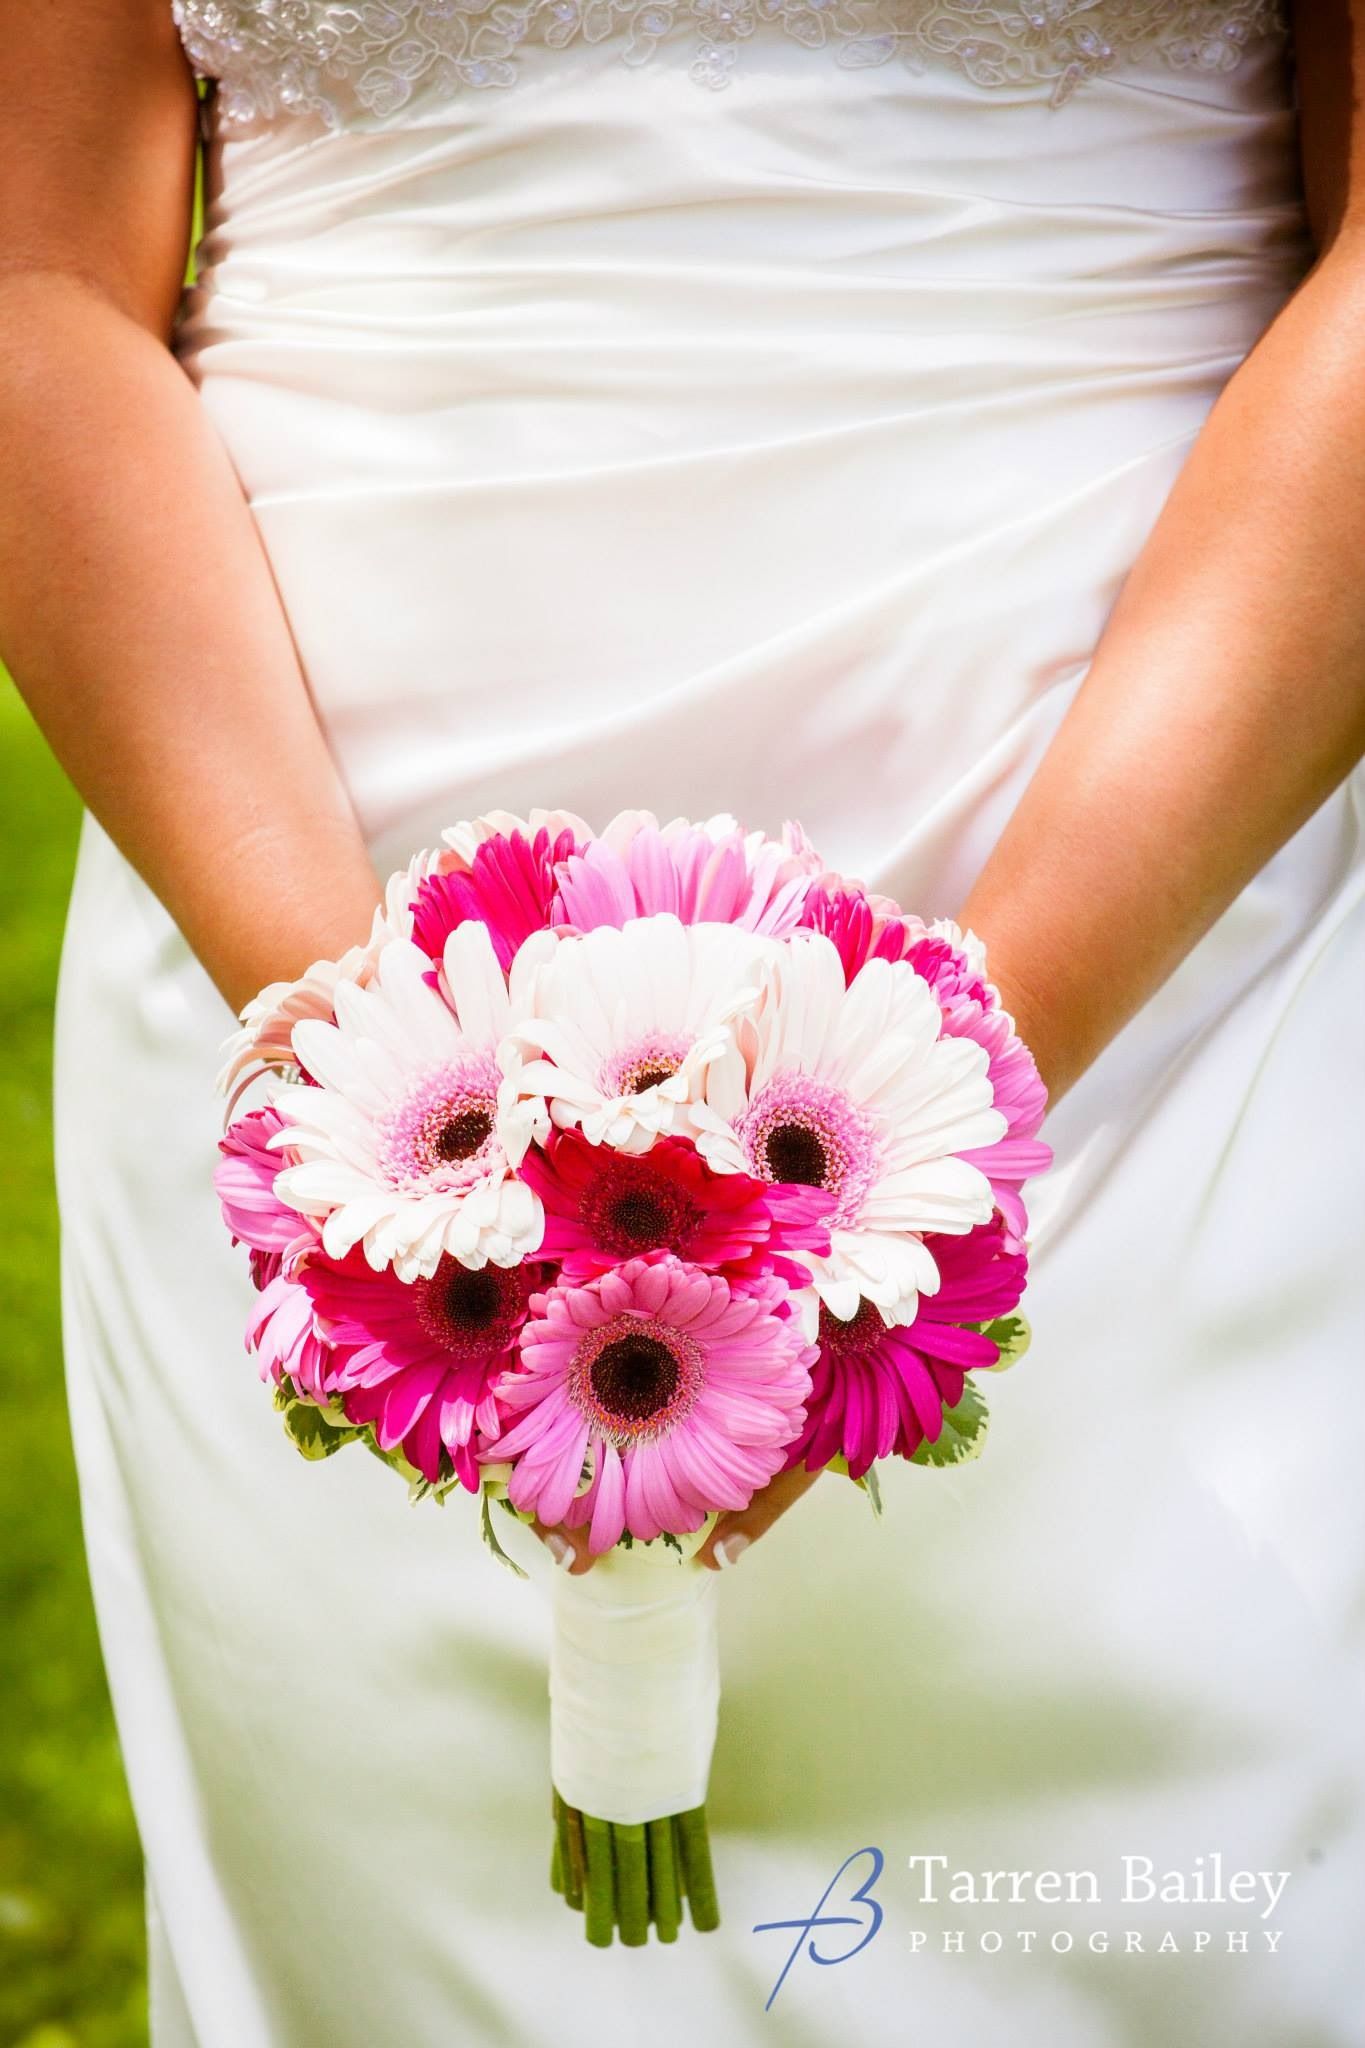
{"x": 602, "y": 1207}
{"x": 400, "y": 1147}
{"x": 850, "y": 1088}
{"x": 615, "y": 1029}
{"x": 675, "y": 1391}
{"x": 714, "y": 873}
{"x": 265, "y": 1041}
{"x": 419, "y": 1361}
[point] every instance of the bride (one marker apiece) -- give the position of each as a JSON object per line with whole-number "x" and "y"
{"x": 938, "y": 421}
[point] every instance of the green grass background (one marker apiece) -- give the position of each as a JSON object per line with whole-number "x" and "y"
{"x": 71, "y": 1933}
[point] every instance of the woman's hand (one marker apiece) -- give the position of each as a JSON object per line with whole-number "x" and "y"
{"x": 734, "y": 1533}
{"x": 725, "y": 1545}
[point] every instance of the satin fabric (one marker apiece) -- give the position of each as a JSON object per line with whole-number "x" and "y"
{"x": 782, "y": 453}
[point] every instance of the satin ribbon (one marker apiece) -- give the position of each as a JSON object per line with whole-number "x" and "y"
{"x": 634, "y": 1683}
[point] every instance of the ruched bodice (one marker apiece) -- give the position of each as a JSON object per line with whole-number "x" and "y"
{"x": 810, "y": 378}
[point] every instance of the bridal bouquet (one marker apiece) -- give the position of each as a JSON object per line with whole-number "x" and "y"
{"x": 613, "y": 1176}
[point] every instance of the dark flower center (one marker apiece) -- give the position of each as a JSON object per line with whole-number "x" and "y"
{"x": 652, "y": 1075}
{"x": 794, "y": 1153}
{"x": 633, "y": 1206}
{"x": 640, "y": 1217}
{"x": 855, "y": 1338}
{"x": 474, "y": 1300}
{"x": 461, "y": 1135}
{"x": 472, "y": 1313}
{"x": 634, "y": 1377}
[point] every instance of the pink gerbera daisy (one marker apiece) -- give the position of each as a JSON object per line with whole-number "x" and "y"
{"x": 602, "y": 1207}
{"x": 283, "y": 1333}
{"x": 419, "y": 1360}
{"x": 880, "y": 1389}
{"x": 673, "y": 1391}
{"x": 245, "y": 1182}
{"x": 714, "y": 873}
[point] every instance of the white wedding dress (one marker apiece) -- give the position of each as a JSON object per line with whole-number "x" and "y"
{"x": 765, "y": 427}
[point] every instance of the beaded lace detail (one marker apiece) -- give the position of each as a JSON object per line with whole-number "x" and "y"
{"x": 338, "y": 60}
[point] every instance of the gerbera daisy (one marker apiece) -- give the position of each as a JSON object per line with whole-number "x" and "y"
{"x": 850, "y": 1088}
{"x": 508, "y": 884}
{"x": 602, "y": 1207}
{"x": 880, "y": 1389}
{"x": 244, "y": 1180}
{"x": 418, "y": 1361}
{"x": 264, "y": 1041}
{"x": 463, "y": 841}
{"x": 703, "y": 874}
{"x": 953, "y": 962}
{"x": 401, "y": 1147}
{"x": 674, "y": 1390}
{"x": 615, "y": 1028}
{"x": 283, "y": 1333}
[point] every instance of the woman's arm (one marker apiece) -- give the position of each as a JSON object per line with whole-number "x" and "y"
{"x": 137, "y": 610}
{"x": 1227, "y": 696}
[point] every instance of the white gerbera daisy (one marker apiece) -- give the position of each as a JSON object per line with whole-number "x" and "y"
{"x": 851, "y": 1088}
{"x": 617, "y": 1027}
{"x": 401, "y": 1148}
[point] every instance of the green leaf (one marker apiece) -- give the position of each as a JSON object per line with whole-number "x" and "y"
{"x": 490, "y": 1536}
{"x": 1012, "y": 1335}
{"x": 315, "y": 1432}
{"x": 868, "y": 1484}
{"x": 963, "y": 1435}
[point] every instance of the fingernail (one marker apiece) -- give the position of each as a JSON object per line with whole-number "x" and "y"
{"x": 561, "y": 1550}
{"x": 730, "y": 1549}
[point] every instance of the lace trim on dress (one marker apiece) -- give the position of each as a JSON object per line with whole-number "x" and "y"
{"x": 328, "y": 59}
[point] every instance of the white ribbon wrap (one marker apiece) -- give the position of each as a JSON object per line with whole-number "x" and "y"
{"x": 634, "y": 1683}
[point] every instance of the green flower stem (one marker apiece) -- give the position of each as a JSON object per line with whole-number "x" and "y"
{"x": 664, "y": 1898}
{"x": 632, "y": 1882}
{"x": 626, "y": 1877}
{"x": 599, "y": 1894}
{"x": 569, "y": 1837}
{"x": 695, "y": 1846}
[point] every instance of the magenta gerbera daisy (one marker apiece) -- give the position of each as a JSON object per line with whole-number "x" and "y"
{"x": 672, "y": 1390}
{"x": 602, "y": 1207}
{"x": 508, "y": 885}
{"x": 418, "y": 1360}
{"x": 880, "y": 1390}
